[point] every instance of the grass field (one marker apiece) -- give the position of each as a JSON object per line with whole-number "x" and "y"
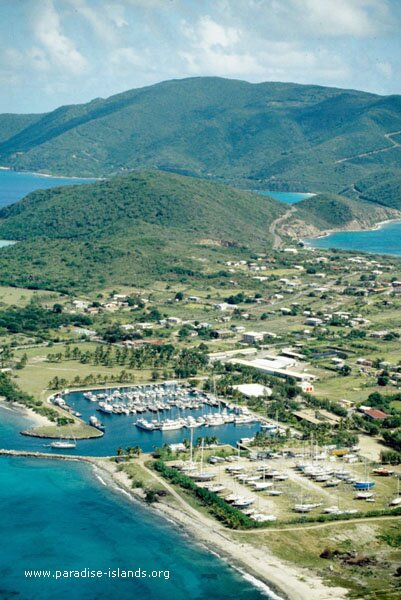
{"x": 21, "y": 296}
{"x": 379, "y": 541}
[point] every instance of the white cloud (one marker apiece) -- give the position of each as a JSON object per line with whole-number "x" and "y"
{"x": 126, "y": 56}
{"x": 60, "y": 50}
{"x": 105, "y": 22}
{"x": 342, "y": 17}
{"x": 211, "y": 34}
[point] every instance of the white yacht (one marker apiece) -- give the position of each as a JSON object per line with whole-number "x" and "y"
{"x": 171, "y": 424}
{"x": 145, "y": 425}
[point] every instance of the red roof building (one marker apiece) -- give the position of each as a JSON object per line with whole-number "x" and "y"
{"x": 375, "y": 414}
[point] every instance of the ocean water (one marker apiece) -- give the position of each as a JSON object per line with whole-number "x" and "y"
{"x": 14, "y": 185}
{"x": 287, "y": 197}
{"x": 57, "y": 516}
{"x": 385, "y": 240}
{"x": 120, "y": 431}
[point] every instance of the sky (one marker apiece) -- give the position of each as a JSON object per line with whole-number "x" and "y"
{"x": 56, "y": 52}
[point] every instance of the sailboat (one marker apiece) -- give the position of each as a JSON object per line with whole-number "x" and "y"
{"x": 364, "y": 484}
{"x": 202, "y": 475}
{"x": 397, "y": 500}
{"x": 64, "y": 444}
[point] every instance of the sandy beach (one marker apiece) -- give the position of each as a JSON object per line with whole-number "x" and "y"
{"x": 37, "y": 420}
{"x": 279, "y": 578}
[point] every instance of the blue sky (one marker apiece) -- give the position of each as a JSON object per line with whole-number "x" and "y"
{"x": 55, "y": 52}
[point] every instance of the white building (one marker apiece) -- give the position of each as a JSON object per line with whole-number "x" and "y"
{"x": 252, "y": 337}
{"x": 253, "y": 390}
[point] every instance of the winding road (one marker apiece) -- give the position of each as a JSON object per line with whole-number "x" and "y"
{"x": 388, "y": 136}
{"x": 277, "y": 240}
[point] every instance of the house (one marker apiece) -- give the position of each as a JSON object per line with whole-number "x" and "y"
{"x": 365, "y": 362}
{"x": 180, "y": 447}
{"x": 173, "y": 320}
{"x": 313, "y": 321}
{"x": 375, "y": 414}
{"x": 223, "y": 306}
{"x": 306, "y": 387}
{"x": 222, "y": 334}
{"x": 378, "y": 334}
{"x": 80, "y": 304}
{"x": 128, "y": 327}
{"x": 252, "y": 337}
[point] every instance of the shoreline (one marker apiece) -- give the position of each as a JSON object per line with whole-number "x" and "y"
{"x": 25, "y": 411}
{"x": 273, "y": 576}
{"x": 47, "y": 175}
{"x": 328, "y": 232}
{"x": 281, "y": 580}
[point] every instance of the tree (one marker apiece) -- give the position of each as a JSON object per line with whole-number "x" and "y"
{"x": 57, "y": 308}
{"x": 382, "y": 380}
{"x": 345, "y": 370}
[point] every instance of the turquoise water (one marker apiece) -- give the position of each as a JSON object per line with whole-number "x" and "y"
{"x": 14, "y": 186}
{"x": 288, "y": 197}
{"x": 57, "y": 516}
{"x": 386, "y": 240}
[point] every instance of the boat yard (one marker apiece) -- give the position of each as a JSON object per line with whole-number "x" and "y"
{"x": 276, "y": 489}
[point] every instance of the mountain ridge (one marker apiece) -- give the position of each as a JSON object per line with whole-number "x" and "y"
{"x": 270, "y": 135}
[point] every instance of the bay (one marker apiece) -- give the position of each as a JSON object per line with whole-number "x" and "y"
{"x": 58, "y": 516}
{"x": 383, "y": 240}
{"x": 15, "y": 185}
{"x": 287, "y": 197}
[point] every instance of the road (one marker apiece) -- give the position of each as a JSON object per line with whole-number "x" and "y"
{"x": 388, "y": 136}
{"x": 277, "y": 240}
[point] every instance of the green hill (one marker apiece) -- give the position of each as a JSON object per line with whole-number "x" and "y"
{"x": 129, "y": 230}
{"x": 266, "y": 135}
{"x": 325, "y": 212}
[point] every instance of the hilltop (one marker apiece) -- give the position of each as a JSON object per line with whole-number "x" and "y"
{"x": 137, "y": 227}
{"x": 328, "y": 212}
{"x": 266, "y": 135}
{"x": 150, "y": 225}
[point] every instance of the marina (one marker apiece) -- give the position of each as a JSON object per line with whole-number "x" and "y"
{"x": 147, "y": 416}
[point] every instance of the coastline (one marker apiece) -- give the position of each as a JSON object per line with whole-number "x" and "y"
{"x": 278, "y": 578}
{"x": 16, "y": 407}
{"x": 47, "y": 175}
{"x": 327, "y": 232}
